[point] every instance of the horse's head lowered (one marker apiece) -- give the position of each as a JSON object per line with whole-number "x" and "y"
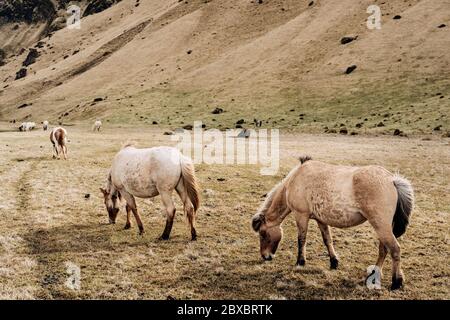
{"x": 111, "y": 202}
{"x": 269, "y": 236}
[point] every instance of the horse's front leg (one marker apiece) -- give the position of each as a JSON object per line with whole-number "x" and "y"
{"x": 170, "y": 212}
{"x": 302, "y": 220}
{"x": 131, "y": 204}
{"x": 128, "y": 224}
{"x": 328, "y": 241}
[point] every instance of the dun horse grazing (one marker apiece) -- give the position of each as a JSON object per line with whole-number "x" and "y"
{"x": 58, "y": 137}
{"x": 97, "y": 126}
{"x": 45, "y": 125}
{"x": 341, "y": 197}
{"x": 146, "y": 173}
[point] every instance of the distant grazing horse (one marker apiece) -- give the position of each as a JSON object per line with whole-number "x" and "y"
{"x": 341, "y": 197}
{"x": 58, "y": 137}
{"x": 145, "y": 173}
{"x": 45, "y": 125}
{"x": 27, "y": 126}
{"x": 97, "y": 126}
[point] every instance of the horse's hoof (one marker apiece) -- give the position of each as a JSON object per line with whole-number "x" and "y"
{"x": 164, "y": 237}
{"x": 127, "y": 226}
{"x": 334, "y": 263}
{"x": 301, "y": 262}
{"x": 141, "y": 231}
{"x": 397, "y": 283}
{"x": 194, "y": 238}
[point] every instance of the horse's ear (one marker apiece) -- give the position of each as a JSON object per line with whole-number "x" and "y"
{"x": 257, "y": 221}
{"x": 103, "y": 191}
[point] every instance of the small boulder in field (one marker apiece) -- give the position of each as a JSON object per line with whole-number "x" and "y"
{"x": 22, "y": 73}
{"x": 87, "y": 195}
{"x": 438, "y": 128}
{"x": 241, "y": 121}
{"x": 442, "y": 26}
{"x": 31, "y": 57}
{"x": 217, "y": 111}
{"x": 350, "y": 69}
{"x": 346, "y": 40}
{"x": 381, "y": 124}
{"x": 187, "y": 127}
{"x": 343, "y": 131}
{"x": 24, "y": 105}
{"x": 397, "y": 132}
{"x": 168, "y": 133}
{"x": 397, "y": 17}
{"x": 154, "y": 122}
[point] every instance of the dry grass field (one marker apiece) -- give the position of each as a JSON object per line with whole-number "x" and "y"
{"x": 46, "y": 221}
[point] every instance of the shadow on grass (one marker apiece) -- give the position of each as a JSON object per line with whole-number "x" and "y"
{"x": 40, "y": 158}
{"x": 69, "y": 238}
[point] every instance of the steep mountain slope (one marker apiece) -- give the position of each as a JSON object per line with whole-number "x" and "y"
{"x": 278, "y": 61}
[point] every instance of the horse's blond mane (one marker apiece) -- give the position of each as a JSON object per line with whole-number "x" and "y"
{"x": 268, "y": 202}
{"x": 129, "y": 144}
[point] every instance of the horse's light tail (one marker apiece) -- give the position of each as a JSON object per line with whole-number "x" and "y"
{"x": 405, "y": 204}
{"x": 190, "y": 182}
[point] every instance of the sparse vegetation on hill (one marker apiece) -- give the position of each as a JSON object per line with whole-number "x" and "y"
{"x": 174, "y": 62}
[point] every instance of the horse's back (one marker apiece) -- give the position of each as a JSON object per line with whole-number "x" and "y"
{"x": 338, "y": 195}
{"x": 143, "y": 171}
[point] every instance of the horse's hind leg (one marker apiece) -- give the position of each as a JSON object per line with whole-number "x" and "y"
{"x": 328, "y": 241}
{"x": 388, "y": 241}
{"x": 64, "y": 151}
{"x": 188, "y": 209}
{"x": 382, "y": 252}
{"x": 56, "y": 151}
{"x": 170, "y": 212}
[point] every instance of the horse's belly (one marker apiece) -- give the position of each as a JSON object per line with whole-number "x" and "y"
{"x": 339, "y": 211}
{"x": 340, "y": 218}
{"x": 140, "y": 188}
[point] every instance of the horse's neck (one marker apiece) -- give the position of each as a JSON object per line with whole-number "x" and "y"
{"x": 277, "y": 210}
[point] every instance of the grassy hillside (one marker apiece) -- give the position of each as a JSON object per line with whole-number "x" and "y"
{"x": 174, "y": 62}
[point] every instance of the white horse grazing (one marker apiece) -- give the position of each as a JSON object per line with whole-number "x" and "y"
{"x": 146, "y": 173}
{"x": 58, "y": 138}
{"x": 97, "y": 126}
{"x": 45, "y": 125}
{"x": 27, "y": 126}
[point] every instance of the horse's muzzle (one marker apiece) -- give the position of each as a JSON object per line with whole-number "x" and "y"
{"x": 267, "y": 257}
